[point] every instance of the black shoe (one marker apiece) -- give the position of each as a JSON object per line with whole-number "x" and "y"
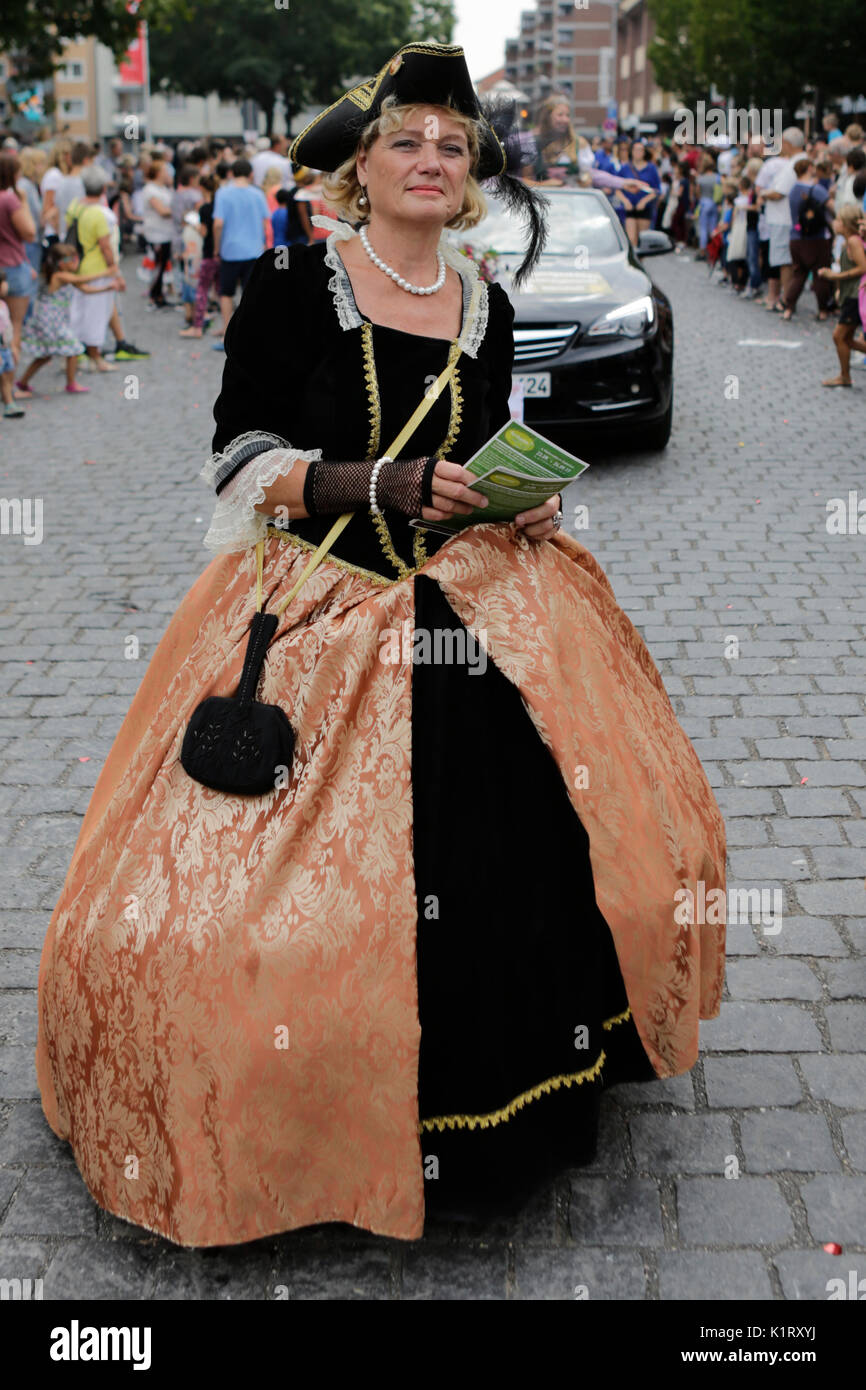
{"x": 128, "y": 352}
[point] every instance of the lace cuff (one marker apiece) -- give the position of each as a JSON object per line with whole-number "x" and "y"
{"x": 235, "y": 524}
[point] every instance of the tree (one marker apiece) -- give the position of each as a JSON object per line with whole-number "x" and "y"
{"x": 244, "y": 50}
{"x": 33, "y": 31}
{"x": 769, "y": 55}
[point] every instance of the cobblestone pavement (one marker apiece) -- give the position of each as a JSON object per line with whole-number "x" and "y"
{"x": 722, "y": 536}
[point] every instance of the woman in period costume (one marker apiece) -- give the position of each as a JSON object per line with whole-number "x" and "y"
{"x": 396, "y": 982}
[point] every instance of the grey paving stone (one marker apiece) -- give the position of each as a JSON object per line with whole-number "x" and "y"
{"x": 775, "y": 865}
{"x": 846, "y": 979}
{"x": 765, "y": 1027}
{"x": 840, "y": 897}
{"x": 841, "y": 1080}
{"x": 51, "y": 1201}
{"x": 106, "y": 1269}
{"x": 801, "y": 831}
{"x": 17, "y": 1073}
{"x": 732, "y": 1211}
{"x": 474, "y": 1274}
{"x": 619, "y": 1212}
{"x": 836, "y": 1209}
{"x": 832, "y": 774}
{"x": 811, "y": 1275}
{"x": 28, "y": 1138}
{"x": 240, "y": 1273}
{"x": 672, "y": 1090}
{"x": 691, "y": 1274}
{"x": 813, "y": 801}
{"x": 838, "y": 862}
{"x": 578, "y": 1275}
{"x": 9, "y": 1180}
{"x": 854, "y": 1134}
{"x": 749, "y": 1082}
{"x": 680, "y": 1143}
{"x": 789, "y": 1141}
{"x": 23, "y": 1259}
{"x": 18, "y": 1018}
{"x": 315, "y": 1274}
{"x": 779, "y": 978}
{"x": 806, "y": 936}
{"x": 19, "y": 969}
{"x": 747, "y": 831}
{"x": 847, "y": 1024}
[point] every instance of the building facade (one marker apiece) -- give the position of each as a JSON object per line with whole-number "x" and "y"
{"x": 568, "y": 49}
{"x": 594, "y": 52}
{"x": 640, "y": 100}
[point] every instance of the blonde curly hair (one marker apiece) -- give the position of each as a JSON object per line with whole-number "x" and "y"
{"x": 342, "y": 189}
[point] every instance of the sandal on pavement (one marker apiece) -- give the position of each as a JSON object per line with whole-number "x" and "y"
{"x": 22, "y": 391}
{"x": 75, "y": 388}
{"x": 836, "y": 381}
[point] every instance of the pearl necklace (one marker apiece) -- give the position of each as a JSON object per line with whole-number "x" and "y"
{"x": 398, "y": 279}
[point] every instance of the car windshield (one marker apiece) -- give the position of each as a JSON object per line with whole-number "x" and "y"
{"x": 576, "y": 220}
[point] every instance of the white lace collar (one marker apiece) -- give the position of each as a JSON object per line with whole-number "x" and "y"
{"x": 474, "y": 318}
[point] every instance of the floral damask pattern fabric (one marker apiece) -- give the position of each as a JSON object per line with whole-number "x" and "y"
{"x": 228, "y": 1013}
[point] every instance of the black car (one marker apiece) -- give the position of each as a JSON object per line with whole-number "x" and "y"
{"x": 594, "y": 337}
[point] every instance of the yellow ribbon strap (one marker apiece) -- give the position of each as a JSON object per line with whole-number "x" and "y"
{"x": 339, "y": 525}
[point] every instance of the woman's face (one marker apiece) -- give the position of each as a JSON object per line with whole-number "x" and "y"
{"x": 560, "y": 117}
{"x": 417, "y": 174}
{"x": 638, "y": 153}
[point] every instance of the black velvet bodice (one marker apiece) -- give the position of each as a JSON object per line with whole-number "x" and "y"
{"x": 295, "y": 370}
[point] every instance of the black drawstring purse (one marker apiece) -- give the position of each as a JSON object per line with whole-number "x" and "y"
{"x": 235, "y": 743}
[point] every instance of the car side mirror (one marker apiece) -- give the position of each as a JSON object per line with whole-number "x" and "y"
{"x": 653, "y": 243}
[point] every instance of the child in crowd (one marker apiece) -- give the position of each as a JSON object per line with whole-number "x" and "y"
{"x": 208, "y": 265}
{"x": 848, "y": 333}
{"x": 191, "y": 255}
{"x": 738, "y": 239}
{"x": 11, "y": 409}
{"x": 726, "y": 215}
{"x": 47, "y": 332}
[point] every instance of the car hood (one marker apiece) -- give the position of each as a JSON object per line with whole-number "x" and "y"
{"x": 557, "y": 288}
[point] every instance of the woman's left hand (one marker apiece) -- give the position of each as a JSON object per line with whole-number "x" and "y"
{"x": 537, "y": 523}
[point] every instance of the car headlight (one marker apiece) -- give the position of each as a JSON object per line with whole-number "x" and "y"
{"x": 630, "y": 321}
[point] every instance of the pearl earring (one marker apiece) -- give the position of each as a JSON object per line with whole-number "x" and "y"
{"x": 363, "y": 200}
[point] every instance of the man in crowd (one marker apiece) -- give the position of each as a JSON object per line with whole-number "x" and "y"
{"x": 240, "y": 226}
{"x": 273, "y": 157}
{"x": 776, "y": 183}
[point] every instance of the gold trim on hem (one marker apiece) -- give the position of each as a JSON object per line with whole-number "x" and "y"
{"x": 495, "y": 1117}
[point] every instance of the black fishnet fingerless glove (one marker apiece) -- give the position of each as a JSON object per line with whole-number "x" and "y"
{"x": 403, "y": 485}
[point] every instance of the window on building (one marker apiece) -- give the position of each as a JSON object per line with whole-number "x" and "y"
{"x": 640, "y": 58}
{"x": 72, "y": 71}
{"x": 175, "y": 101}
{"x": 625, "y": 65}
{"x": 73, "y": 108}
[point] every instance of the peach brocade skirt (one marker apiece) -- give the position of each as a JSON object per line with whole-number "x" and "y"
{"x": 228, "y": 1013}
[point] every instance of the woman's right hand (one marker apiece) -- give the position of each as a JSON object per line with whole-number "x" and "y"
{"x": 452, "y": 492}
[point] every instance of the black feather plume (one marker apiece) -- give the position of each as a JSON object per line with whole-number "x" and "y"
{"x": 520, "y": 199}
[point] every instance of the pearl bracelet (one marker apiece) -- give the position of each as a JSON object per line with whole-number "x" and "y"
{"x": 374, "y": 507}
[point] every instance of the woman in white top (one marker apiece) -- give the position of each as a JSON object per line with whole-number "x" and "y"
{"x": 60, "y": 167}
{"x": 157, "y": 224}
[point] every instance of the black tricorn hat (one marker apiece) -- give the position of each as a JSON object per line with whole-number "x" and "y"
{"x": 432, "y": 74}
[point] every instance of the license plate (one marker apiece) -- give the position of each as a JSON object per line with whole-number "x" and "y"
{"x": 534, "y": 383}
